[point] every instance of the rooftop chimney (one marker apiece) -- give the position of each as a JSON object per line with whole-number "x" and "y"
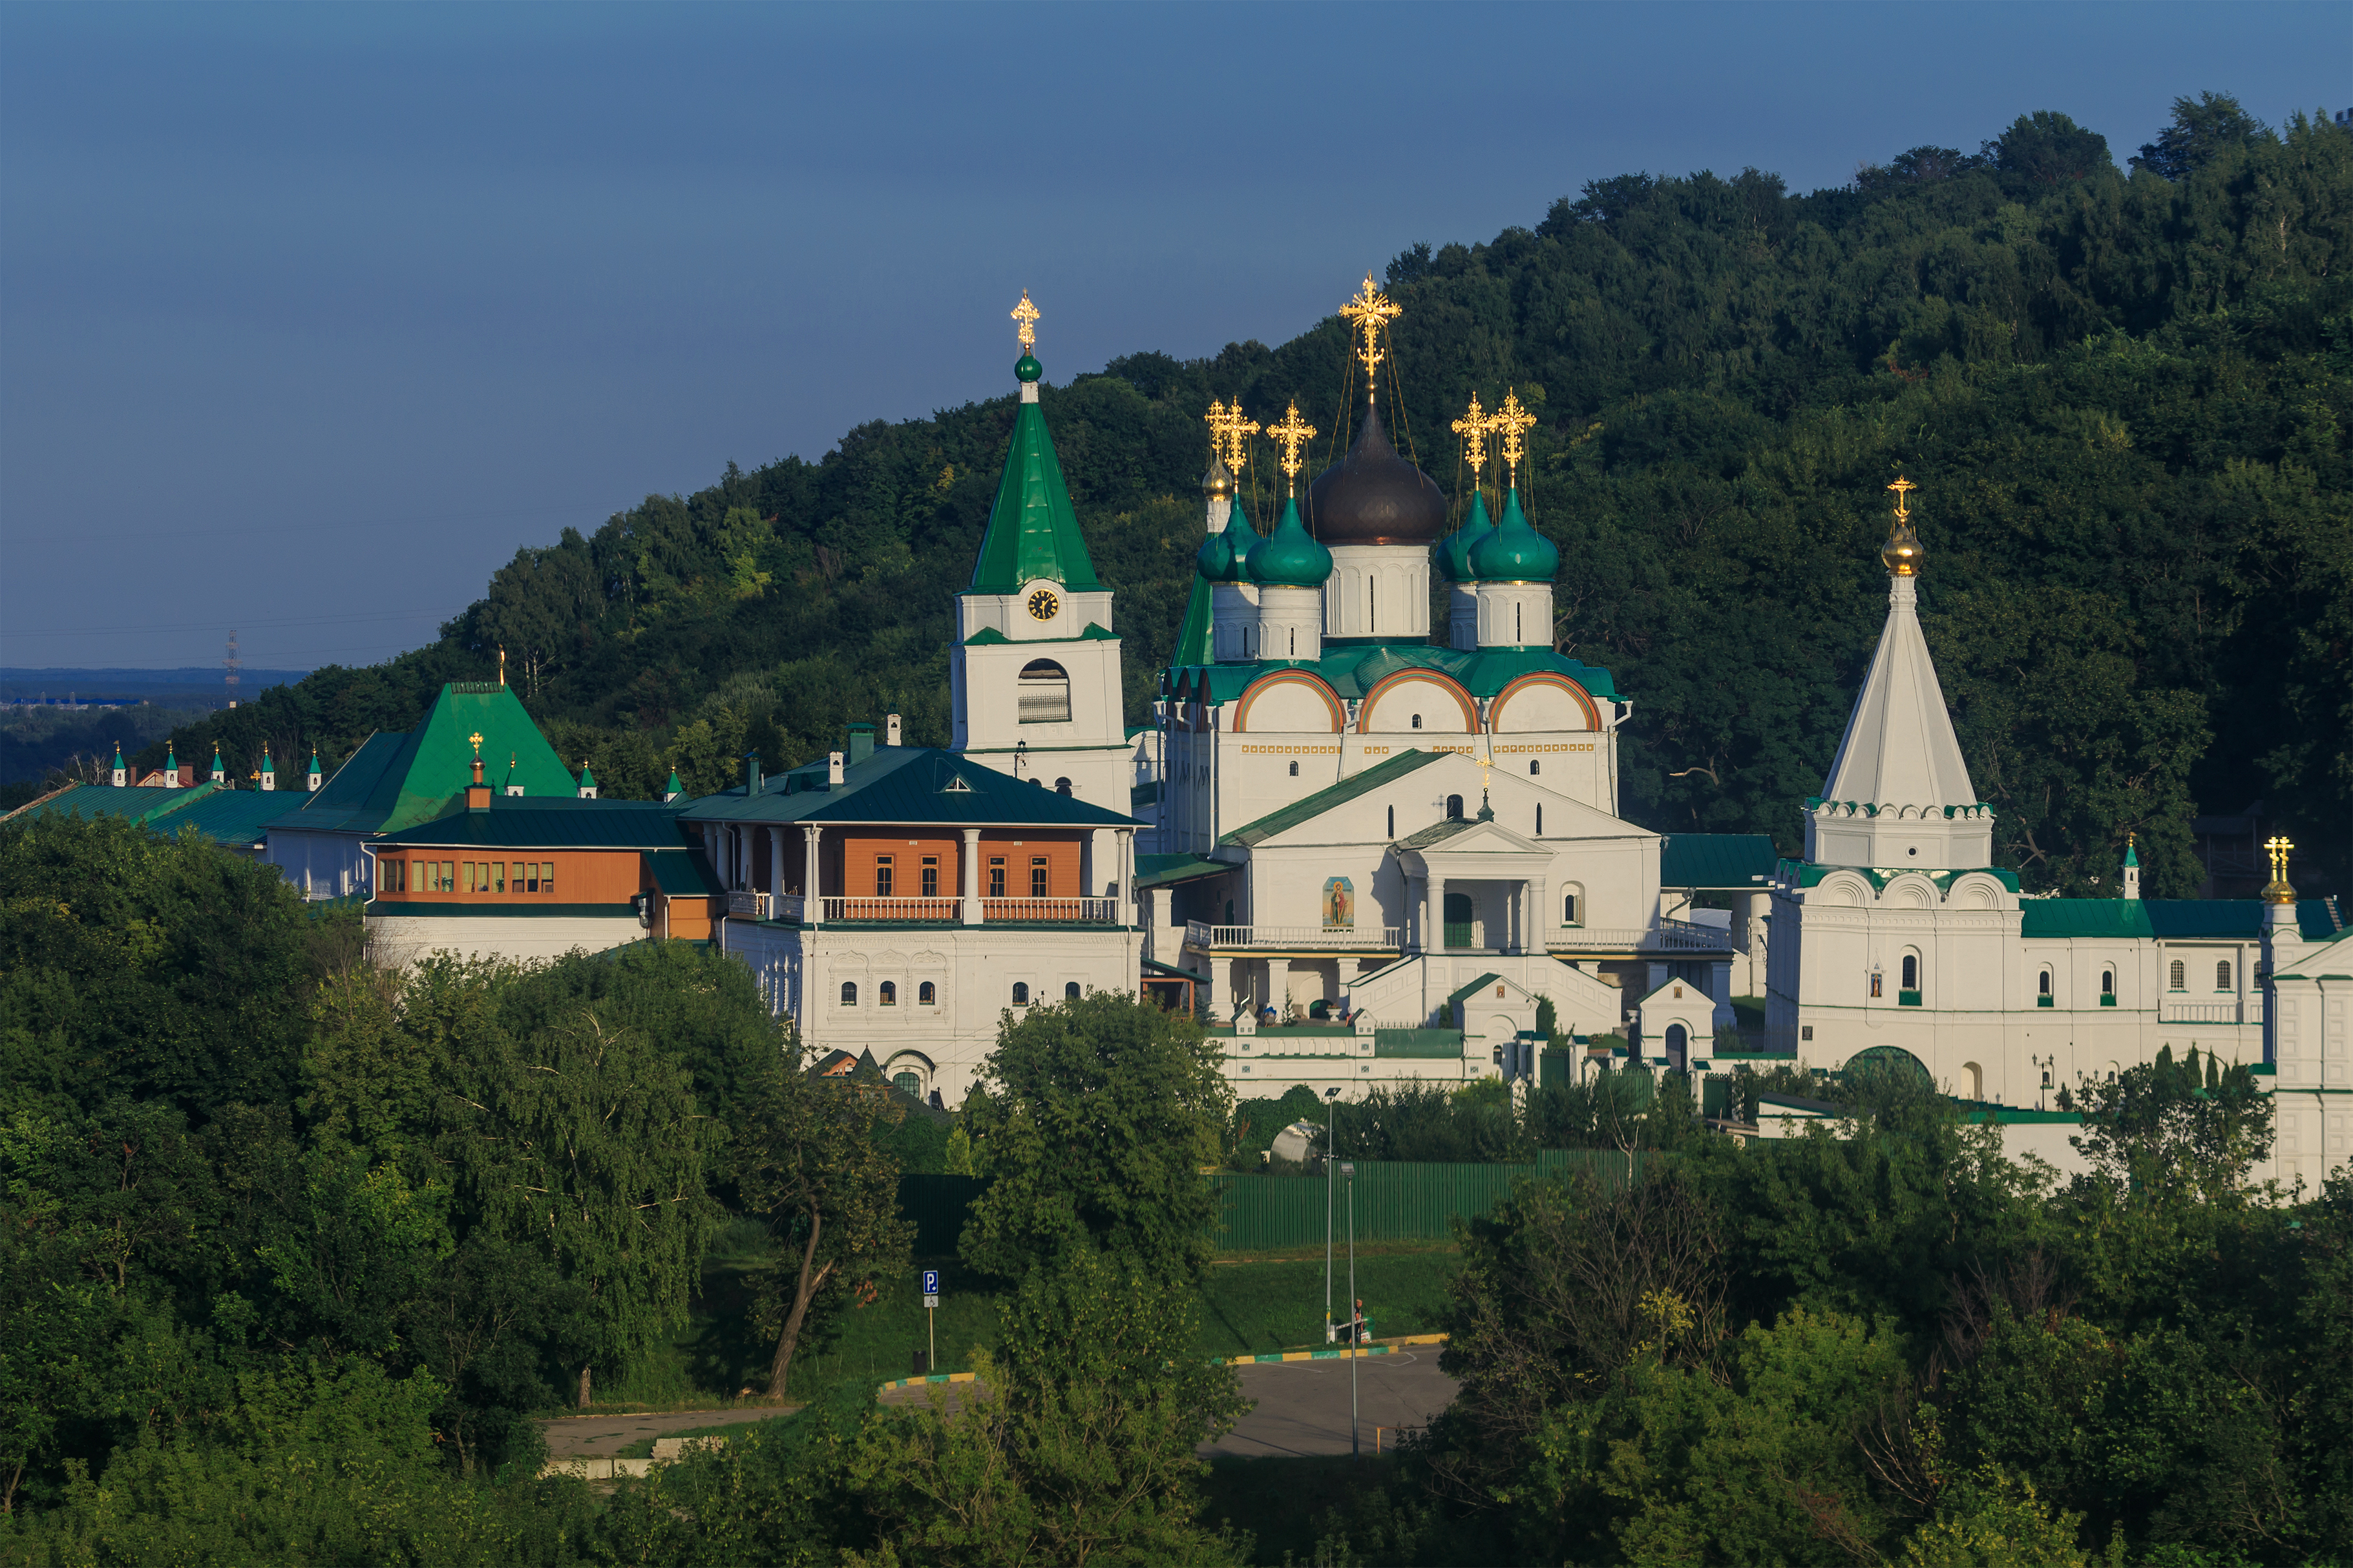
{"x": 751, "y": 773}
{"x": 862, "y": 744}
{"x": 833, "y": 770}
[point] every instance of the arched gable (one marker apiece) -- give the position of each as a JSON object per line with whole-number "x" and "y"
{"x": 1911, "y": 891}
{"x": 1847, "y": 892}
{"x": 1553, "y": 701}
{"x": 1399, "y": 684}
{"x": 1976, "y": 892}
{"x": 1290, "y": 699}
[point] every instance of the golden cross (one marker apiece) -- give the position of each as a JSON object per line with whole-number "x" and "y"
{"x": 1902, "y": 488}
{"x": 1369, "y": 310}
{"x": 2279, "y": 849}
{"x": 1027, "y": 314}
{"x": 1474, "y": 428}
{"x": 1293, "y": 432}
{"x": 1229, "y": 433}
{"x": 477, "y": 738}
{"x": 1513, "y": 420}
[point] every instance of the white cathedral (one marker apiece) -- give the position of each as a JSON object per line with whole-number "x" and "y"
{"x": 1366, "y": 856}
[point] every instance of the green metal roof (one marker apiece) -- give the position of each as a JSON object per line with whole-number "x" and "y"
{"x": 1730, "y": 860}
{"x": 239, "y": 818}
{"x": 1426, "y": 1045}
{"x": 1454, "y": 998}
{"x": 519, "y": 822}
{"x": 1435, "y": 833}
{"x": 1193, "y": 631}
{"x": 398, "y": 781}
{"x": 104, "y": 800}
{"x": 919, "y": 784}
{"x": 2083, "y": 917}
{"x": 1032, "y": 531}
{"x": 2219, "y": 920}
{"x": 1353, "y": 669}
{"x": 1324, "y": 799}
{"x": 683, "y": 873}
{"x": 1162, "y": 870}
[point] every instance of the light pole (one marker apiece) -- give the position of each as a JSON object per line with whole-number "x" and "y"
{"x": 1356, "y": 1317}
{"x": 1331, "y": 1149}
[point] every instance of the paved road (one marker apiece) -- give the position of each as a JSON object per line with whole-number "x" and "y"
{"x": 571, "y": 1434}
{"x": 1302, "y": 1405}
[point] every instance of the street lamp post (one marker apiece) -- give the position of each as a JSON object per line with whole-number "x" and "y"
{"x": 1331, "y": 1149}
{"x": 1356, "y": 1317}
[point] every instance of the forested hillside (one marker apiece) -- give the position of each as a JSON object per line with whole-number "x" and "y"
{"x": 2124, "y": 396}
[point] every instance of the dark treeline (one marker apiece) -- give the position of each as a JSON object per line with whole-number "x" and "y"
{"x": 2123, "y": 393}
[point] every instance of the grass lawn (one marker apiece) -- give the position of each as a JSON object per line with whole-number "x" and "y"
{"x": 1249, "y": 1306}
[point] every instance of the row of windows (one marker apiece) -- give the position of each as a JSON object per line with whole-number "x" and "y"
{"x": 886, "y": 994}
{"x": 2179, "y": 975}
{"x": 492, "y": 877}
{"x": 927, "y": 877}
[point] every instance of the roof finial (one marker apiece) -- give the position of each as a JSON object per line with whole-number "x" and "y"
{"x": 1514, "y": 420}
{"x": 1474, "y": 427}
{"x": 1293, "y": 432}
{"x": 1903, "y": 553}
{"x": 502, "y": 664}
{"x": 2278, "y": 891}
{"x": 1368, "y": 310}
{"x": 1027, "y": 314}
{"x": 1229, "y": 433}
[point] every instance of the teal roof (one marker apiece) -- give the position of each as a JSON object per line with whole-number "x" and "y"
{"x": 557, "y": 822}
{"x": 237, "y": 818}
{"x": 1733, "y": 860}
{"x": 1427, "y": 1044}
{"x": 104, "y": 800}
{"x": 398, "y": 781}
{"x": 1354, "y": 669}
{"x": 1032, "y": 531}
{"x": 1225, "y": 558}
{"x": 1161, "y": 870}
{"x": 1452, "y": 554}
{"x": 1514, "y": 553}
{"x": 683, "y": 873}
{"x": 1193, "y": 631}
{"x": 1290, "y": 557}
{"x": 1324, "y": 799}
{"x": 916, "y": 785}
{"x": 1454, "y": 998}
{"x": 2084, "y": 916}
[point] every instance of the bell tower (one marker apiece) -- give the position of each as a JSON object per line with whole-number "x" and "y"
{"x": 1035, "y": 675}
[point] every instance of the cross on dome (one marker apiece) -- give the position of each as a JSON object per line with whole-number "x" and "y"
{"x": 1512, "y": 421}
{"x": 1293, "y": 432}
{"x": 1369, "y": 310}
{"x": 1027, "y": 314}
{"x": 1474, "y": 427}
{"x": 1229, "y": 433}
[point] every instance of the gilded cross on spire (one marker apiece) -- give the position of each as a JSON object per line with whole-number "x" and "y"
{"x": 477, "y": 738}
{"x": 1902, "y": 488}
{"x": 1293, "y": 432}
{"x": 1368, "y": 310}
{"x": 1027, "y": 314}
{"x": 1229, "y": 433}
{"x": 1474, "y": 427}
{"x": 1513, "y": 421}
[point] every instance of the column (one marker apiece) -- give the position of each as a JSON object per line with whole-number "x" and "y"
{"x": 1415, "y": 916}
{"x": 1435, "y": 915}
{"x": 1222, "y": 988}
{"x": 971, "y": 877}
{"x": 1540, "y": 915}
{"x": 1720, "y": 983}
{"x": 811, "y": 910}
{"x": 775, "y": 872}
{"x": 1277, "y": 987}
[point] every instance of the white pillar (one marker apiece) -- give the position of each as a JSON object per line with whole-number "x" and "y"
{"x": 1277, "y": 987}
{"x": 1222, "y": 988}
{"x": 1720, "y": 979}
{"x": 971, "y": 879}
{"x": 1436, "y": 905}
{"x": 775, "y": 872}
{"x": 811, "y": 910}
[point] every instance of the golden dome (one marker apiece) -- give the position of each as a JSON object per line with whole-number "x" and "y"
{"x": 1903, "y": 553}
{"x": 1217, "y": 481}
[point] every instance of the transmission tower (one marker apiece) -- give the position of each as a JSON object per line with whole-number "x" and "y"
{"x": 231, "y": 667}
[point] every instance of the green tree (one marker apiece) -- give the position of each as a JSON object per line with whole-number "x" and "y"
{"x": 2204, "y": 127}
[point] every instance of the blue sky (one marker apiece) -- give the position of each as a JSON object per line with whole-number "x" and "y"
{"x": 309, "y": 316}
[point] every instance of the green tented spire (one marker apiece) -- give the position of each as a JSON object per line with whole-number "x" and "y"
{"x": 1193, "y": 632}
{"x": 588, "y": 779}
{"x": 1032, "y": 531}
{"x": 673, "y": 789}
{"x": 171, "y": 758}
{"x": 266, "y": 766}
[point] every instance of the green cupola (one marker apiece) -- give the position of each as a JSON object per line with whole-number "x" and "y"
{"x": 1452, "y": 554}
{"x": 1290, "y": 557}
{"x": 1032, "y": 533}
{"x": 1514, "y": 553}
{"x": 1225, "y": 557}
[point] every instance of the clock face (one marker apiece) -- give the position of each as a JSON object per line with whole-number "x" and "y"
{"x": 1043, "y": 605}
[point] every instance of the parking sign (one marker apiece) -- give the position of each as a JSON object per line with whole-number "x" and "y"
{"x": 931, "y": 1287}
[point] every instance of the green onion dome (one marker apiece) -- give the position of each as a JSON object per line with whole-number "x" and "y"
{"x": 1225, "y": 558}
{"x": 1291, "y": 558}
{"x": 1027, "y": 368}
{"x": 1514, "y": 553}
{"x": 1452, "y": 554}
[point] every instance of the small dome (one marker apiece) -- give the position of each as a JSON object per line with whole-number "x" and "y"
{"x": 1290, "y": 557}
{"x": 1027, "y": 368}
{"x": 1225, "y": 558}
{"x": 1514, "y": 553}
{"x": 1372, "y": 496}
{"x": 1217, "y": 481}
{"x": 1903, "y": 553}
{"x": 1452, "y": 554}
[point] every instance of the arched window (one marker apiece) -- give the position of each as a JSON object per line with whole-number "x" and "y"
{"x": 1453, "y": 808}
{"x": 1392, "y": 822}
{"x": 1070, "y": 991}
{"x": 2223, "y": 976}
{"x": 1295, "y": 770}
{"x": 1061, "y": 787}
{"x": 1569, "y": 902}
{"x": 927, "y": 995}
{"x": 1911, "y": 972}
{"x": 887, "y": 994}
{"x": 1678, "y": 1047}
{"x": 849, "y": 993}
{"x": 1044, "y": 693}
{"x": 907, "y": 1083}
{"x": 1020, "y": 993}
{"x": 1417, "y": 721}
{"x": 1539, "y": 819}
{"x": 2177, "y": 977}
{"x": 2043, "y": 985}
{"x": 1536, "y": 766}
{"x": 2107, "y": 981}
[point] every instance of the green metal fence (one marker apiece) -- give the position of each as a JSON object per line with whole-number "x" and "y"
{"x": 1395, "y": 1200}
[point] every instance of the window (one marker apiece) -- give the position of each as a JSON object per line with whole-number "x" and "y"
{"x": 997, "y": 876}
{"x": 1539, "y": 819}
{"x": 547, "y": 876}
{"x": 1453, "y": 808}
{"x": 1020, "y": 993}
{"x": 849, "y": 993}
{"x": 1536, "y": 766}
{"x": 1043, "y": 693}
{"x": 499, "y": 876}
{"x": 2177, "y": 977}
{"x": 1295, "y": 770}
{"x": 927, "y": 995}
{"x": 1568, "y": 908}
{"x": 2107, "y": 981}
{"x": 1392, "y": 822}
{"x": 1417, "y": 721}
{"x": 1061, "y": 787}
{"x": 883, "y": 874}
{"x": 887, "y": 994}
{"x": 907, "y": 1083}
{"x": 448, "y": 875}
{"x": 1070, "y": 991}
{"x": 2223, "y": 976}
{"x": 931, "y": 876}
{"x": 1038, "y": 876}
{"x": 2044, "y": 987}
{"x": 2042, "y": 997}
{"x": 1911, "y": 972}
{"x": 470, "y": 878}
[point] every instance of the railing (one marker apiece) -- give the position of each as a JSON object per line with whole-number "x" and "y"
{"x": 1668, "y": 936}
{"x": 748, "y": 906}
{"x": 892, "y": 909}
{"x": 1101, "y": 911}
{"x": 1200, "y": 934}
{"x": 789, "y": 907}
{"x": 1043, "y": 709}
{"x": 2230, "y": 1012}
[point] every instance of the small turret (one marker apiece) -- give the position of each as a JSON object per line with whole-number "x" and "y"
{"x": 1290, "y": 569}
{"x": 673, "y": 789}
{"x": 122, "y": 773}
{"x": 171, "y": 766}
{"x": 2132, "y": 868}
{"x": 1451, "y": 556}
{"x": 514, "y": 777}
{"x": 587, "y": 788}
{"x": 1514, "y": 567}
{"x": 268, "y": 769}
{"x": 1233, "y": 597}
{"x": 317, "y": 777}
{"x": 220, "y": 770}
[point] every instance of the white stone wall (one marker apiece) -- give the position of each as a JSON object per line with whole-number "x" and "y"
{"x": 404, "y": 939}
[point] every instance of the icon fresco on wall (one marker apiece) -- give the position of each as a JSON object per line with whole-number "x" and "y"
{"x": 1339, "y": 903}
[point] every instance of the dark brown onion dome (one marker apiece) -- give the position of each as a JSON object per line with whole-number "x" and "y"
{"x": 1372, "y": 496}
